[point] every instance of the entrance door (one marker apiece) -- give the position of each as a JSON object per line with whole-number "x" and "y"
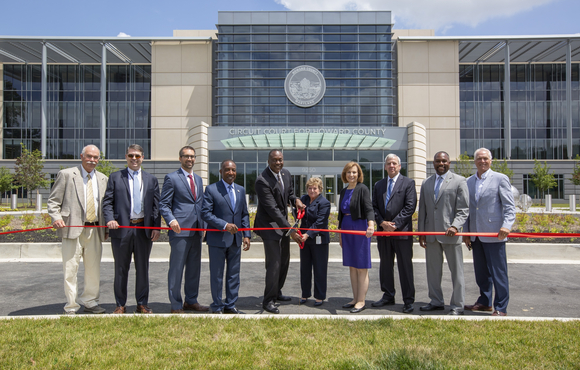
{"x": 330, "y": 188}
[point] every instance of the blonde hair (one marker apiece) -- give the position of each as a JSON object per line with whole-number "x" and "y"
{"x": 314, "y": 181}
{"x": 348, "y": 166}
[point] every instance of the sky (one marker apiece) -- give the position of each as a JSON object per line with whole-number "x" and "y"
{"x": 147, "y": 18}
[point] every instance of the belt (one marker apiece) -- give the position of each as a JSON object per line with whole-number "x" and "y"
{"x": 137, "y": 220}
{"x": 96, "y": 223}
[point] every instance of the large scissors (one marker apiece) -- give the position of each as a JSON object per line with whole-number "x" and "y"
{"x": 299, "y": 215}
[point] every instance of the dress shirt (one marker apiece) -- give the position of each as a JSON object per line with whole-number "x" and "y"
{"x": 479, "y": 184}
{"x": 187, "y": 174}
{"x": 140, "y": 178}
{"x": 228, "y": 192}
{"x": 95, "y": 189}
{"x": 394, "y": 181}
{"x": 278, "y": 177}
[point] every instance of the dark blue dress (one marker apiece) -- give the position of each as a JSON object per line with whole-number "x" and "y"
{"x": 356, "y": 249}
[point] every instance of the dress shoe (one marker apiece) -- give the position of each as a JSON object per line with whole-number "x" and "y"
{"x": 477, "y": 307}
{"x": 383, "y": 302}
{"x": 431, "y": 307}
{"x": 142, "y": 308}
{"x": 70, "y": 312}
{"x": 498, "y": 313}
{"x": 348, "y": 305}
{"x": 120, "y": 309}
{"x": 195, "y": 307}
{"x": 357, "y": 310}
{"x": 177, "y": 311}
{"x": 283, "y": 298}
{"x": 271, "y": 308}
{"x": 218, "y": 312}
{"x": 318, "y": 303}
{"x": 302, "y": 300}
{"x": 233, "y": 310}
{"x": 408, "y": 308}
{"x": 94, "y": 309}
{"x": 455, "y": 311}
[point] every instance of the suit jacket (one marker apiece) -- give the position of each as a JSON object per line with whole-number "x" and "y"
{"x": 451, "y": 208}
{"x": 401, "y": 205}
{"x": 117, "y": 202}
{"x": 177, "y": 203}
{"x": 217, "y": 212}
{"x": 316, "y": 217}
{"x": 495, "y": 209}
{"x": 67, "y": 202}
{"x": 273, "y": 203}
{"x": 360, "y": 207}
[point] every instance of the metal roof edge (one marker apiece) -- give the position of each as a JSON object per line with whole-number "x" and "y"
{"x": 98, "y": 38}
{"x": 491, "y": 38}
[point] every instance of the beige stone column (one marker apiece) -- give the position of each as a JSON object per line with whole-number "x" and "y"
{"x": 1, "y": 105}
{"x": 181, "y": 99}
{"x": 417, "y": 153}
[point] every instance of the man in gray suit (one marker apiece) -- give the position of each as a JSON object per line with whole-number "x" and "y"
{"x": 491, "y": 210}
{"x": 443, "y": 206}
{"x": 75, "y": 200}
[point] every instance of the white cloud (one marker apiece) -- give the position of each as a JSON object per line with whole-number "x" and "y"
{"x": 123, "y": 34}
{"x": 425, "y": 14}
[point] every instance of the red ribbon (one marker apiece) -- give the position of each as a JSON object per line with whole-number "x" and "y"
{"x": 352, "y": 232}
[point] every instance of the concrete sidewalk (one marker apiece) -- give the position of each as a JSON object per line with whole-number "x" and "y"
{"x": 517, "y": 252}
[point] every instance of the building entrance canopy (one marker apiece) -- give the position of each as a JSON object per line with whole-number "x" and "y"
{"x": 307, "y": 138}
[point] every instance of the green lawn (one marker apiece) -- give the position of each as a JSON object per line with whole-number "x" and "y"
{"x": 206, "y": 343}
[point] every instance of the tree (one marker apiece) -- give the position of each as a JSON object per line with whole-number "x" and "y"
{"x": 576, "y": 172}
{"x": 543, "y": 178}
{"x": 502, "y": 167}
{"x": 28, "y": 170}
{"x": 105, "y": 166}
{"x": 463, "y": 165}
{"x": 6, "y": 179}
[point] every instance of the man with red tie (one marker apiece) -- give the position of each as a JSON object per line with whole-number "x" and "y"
{"x": 180, "y": 206}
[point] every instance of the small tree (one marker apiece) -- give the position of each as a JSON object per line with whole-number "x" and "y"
{"x": 105, "y": 166}
{"x": 28, "y": 171}
{"x": 463, "y": 165}
{"x": 502, "y": 167}
{"x": 6, "y": 179}
{"x": 543, "y": 178}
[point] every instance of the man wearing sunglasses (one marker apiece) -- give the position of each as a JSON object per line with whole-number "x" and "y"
{"x": 132, "y": 199}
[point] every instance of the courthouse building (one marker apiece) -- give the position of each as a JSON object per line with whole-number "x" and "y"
{"x": 325, "y": 87}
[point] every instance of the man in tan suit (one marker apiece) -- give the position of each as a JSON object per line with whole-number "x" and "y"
{"x": 75, "y": 200}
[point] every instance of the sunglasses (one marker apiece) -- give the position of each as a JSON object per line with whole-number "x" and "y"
{"x": 136, "y": 156}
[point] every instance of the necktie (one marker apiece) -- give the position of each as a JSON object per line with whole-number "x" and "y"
{"x": 136, "y": 193}
{"x": 389, "y": 190}
{"x": 91, "y": 215}
{"x": 437, "y": 186}
{"x": 280, "y": 181}
{"x": 231, "y": 194}
{"x": 192, "y": 186}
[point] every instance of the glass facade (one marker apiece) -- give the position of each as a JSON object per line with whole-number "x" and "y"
{"x": 538, "y": 110}
{"x": 252, "y": 62}
{"x": 73, "y": 109}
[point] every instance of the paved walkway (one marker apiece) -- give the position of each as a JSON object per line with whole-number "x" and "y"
{"x": 537, "y": 290}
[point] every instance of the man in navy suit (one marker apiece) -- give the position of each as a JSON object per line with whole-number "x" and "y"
{"x": 132, "y": 199}
{"x": 180, "y": 206}
{"x": 275, "y": 192}
{"x": 394, "y": 202}
{"x": 491, "y": 210}
{"x": 224, "y": 208}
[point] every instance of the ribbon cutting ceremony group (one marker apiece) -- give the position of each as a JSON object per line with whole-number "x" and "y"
{"x": 87, "y": 208}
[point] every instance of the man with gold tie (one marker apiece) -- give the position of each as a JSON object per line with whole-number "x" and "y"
{"x": 75, "y": 200}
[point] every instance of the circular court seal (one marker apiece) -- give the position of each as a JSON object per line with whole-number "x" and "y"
{"x": 305, "y": 86}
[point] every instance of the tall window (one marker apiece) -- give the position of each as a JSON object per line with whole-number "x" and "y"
{"x": 253, "y": 61}
{"x": 73, "y": 109}
{"x": 556, "y": 192}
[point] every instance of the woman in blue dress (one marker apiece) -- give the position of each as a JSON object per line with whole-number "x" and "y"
{"x": 356, "y": 213}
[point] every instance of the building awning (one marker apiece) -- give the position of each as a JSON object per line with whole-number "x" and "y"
{"x": 523, "y": 49}
{"x": 311, "y": 141}
{"x": 85, "y": 50}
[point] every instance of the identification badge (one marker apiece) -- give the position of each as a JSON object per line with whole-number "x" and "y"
{"x": 318, "y": 239}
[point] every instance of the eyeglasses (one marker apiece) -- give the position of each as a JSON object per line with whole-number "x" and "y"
{"x": 188, "y": 156}
{"x": 136, "y": 156}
